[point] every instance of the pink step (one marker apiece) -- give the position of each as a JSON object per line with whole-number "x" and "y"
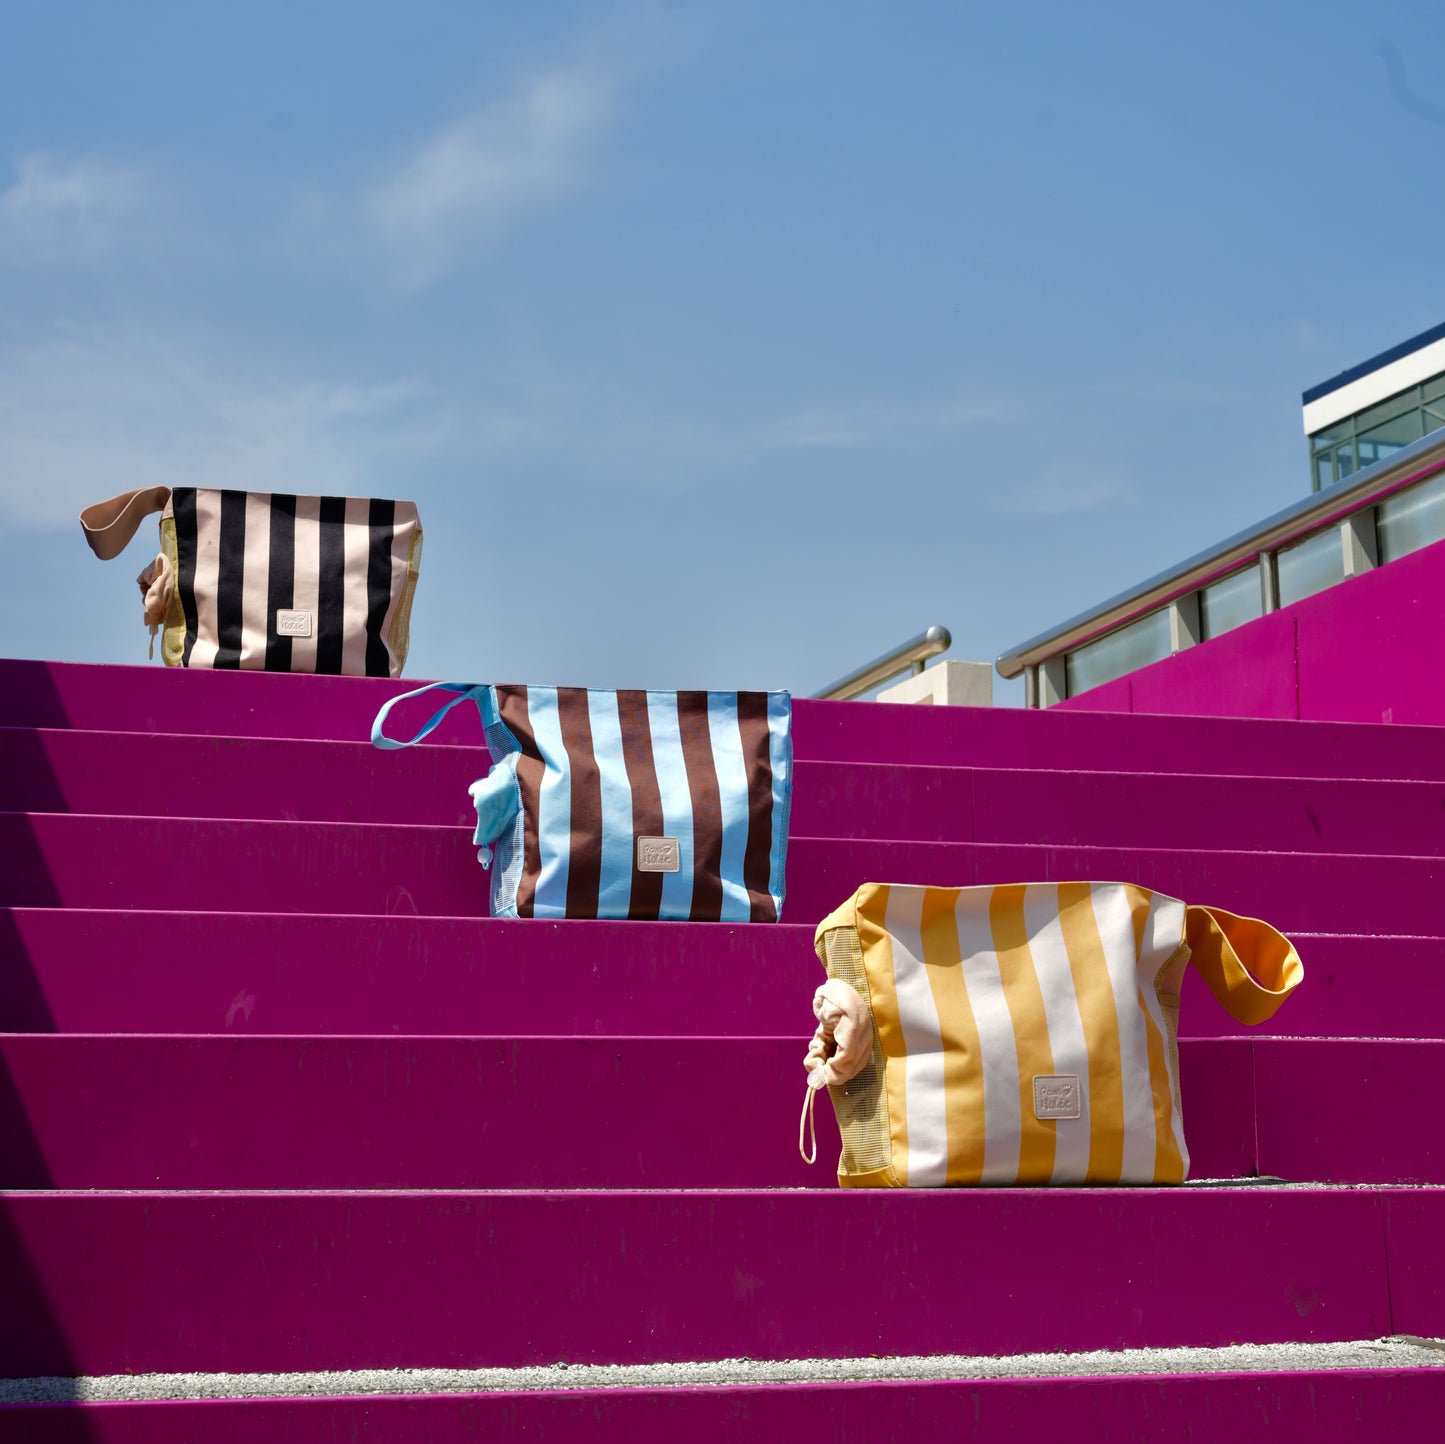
{"x": 124, "y": 774}
{"x": 131, "y": 774}
{"x": 106, "y": 1283}
{"x": 1360, "y": 1102}
{"x": 1326, "y": 1407}
{"x": 259, "y": 704}
{"x": 61, "y": 860}
{"x": 81, "y": 971}
{"x": 210, "y": 1112}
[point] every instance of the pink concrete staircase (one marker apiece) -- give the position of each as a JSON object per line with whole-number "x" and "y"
{"x": 276, "y": 1095}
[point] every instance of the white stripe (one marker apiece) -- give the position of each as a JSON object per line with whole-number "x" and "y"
{"x": 208, "y": 577}
{"x": 306, "y": 573}
{"x": 255, "y": 577}
{"x": 667, "y": 762}
{"x": 357, "y": 543}
{"x": 554, "y": 804}
{"x": 1162, "y": 936}
{"x": 1066, "y": 1028}
{"x": 925, "y": 1101}
{"x": 1003, "y": 1119}
{"x": 1116, "y": 932}
{"x": 615, "y": 885}
{"x": 732, "y": 786}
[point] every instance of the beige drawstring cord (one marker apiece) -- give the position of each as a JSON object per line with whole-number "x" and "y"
{"x": 805, "y": 1124}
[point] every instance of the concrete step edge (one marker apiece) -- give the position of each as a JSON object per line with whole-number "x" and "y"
{"x": 1391, "y": 1353}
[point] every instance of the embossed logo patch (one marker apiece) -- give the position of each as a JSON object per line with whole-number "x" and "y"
{"x": 658, "y": 854}
{"x": 293, "y": 624}
{"x": 1056, "y": 1095}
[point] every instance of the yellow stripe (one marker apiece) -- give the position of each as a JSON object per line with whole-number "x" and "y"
{"x": 1168, "y": 1163}
{"x": 877, "y": 947}
{"x": 1090, "y": 966}
{"x": 1025, "y": 1001}
{"x": 962, "y": 1073}
{"x": 1140, "y": 901}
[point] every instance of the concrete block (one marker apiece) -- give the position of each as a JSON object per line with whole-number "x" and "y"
{"x": 945, "y": 684}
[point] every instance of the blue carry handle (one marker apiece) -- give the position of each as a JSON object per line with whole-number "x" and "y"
{"x": 496, "y": 796}
{"x": 479, "y": 692}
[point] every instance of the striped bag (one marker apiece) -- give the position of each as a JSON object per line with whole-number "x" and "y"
{"x": 274, "y": 583}
{"x": 629, "y": 804}
{"x": 1025, "y": 1034}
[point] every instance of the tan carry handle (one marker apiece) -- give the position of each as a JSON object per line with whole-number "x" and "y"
{"x": 1249, "y": 966}
{"x": 109, "y": 525}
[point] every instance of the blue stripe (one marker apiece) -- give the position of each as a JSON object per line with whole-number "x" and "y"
{"x": 676, "y": 800}
{"x": 510, "y": 852}
{"x": 554, "y": 804}
{"x": 780, "y": 751}
{"x": 732, "y": 784}
{"x": 614, "y": 891}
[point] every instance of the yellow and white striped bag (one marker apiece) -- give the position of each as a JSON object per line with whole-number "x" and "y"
{"x": 1025, "y": 1034}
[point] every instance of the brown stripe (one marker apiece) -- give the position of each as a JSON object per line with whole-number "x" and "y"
{"x": 512, "y": 706}
{"x": 707, "y": 831}
{"x": 757, "y": 760}
{"x": 584, "y": 850}
{"x": 646, "y": 798}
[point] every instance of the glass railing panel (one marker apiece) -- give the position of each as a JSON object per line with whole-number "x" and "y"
{"x": 1310, "y": 567}
{"x": 1131, "y": 647}
{"x": 1411, "y": 519}
{"x": 1230, "y": 603}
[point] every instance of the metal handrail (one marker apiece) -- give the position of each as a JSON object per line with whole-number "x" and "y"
{"x": 911, "y": 654}
{"x": 1416, "y": 462}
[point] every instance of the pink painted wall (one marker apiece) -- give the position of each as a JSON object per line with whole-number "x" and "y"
{"x": 1368, "y": 650}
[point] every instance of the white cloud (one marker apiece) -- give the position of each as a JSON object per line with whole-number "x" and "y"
{"x": 482, "y": 174}
{"x": 536, "y": 144}
{"x": 870, "y": 423}
{"x": 1062, "y": 491}
{"x": 64, "y": 209}
{"x": 87, "y": 416}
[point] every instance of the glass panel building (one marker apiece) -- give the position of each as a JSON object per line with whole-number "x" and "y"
{"x": 1370, "y": 411}
{"x": 1358, "y": 424}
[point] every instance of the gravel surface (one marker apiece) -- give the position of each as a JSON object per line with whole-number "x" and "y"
{"x": 1393, "y": 1353}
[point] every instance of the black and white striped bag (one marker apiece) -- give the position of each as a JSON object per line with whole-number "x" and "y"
{"x": 272, "y": 583}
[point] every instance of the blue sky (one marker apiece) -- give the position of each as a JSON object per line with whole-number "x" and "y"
{"x": 720, "y": 345}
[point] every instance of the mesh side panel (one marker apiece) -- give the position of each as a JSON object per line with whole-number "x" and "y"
{"x": 861, "y": 1104}
{"x": 173, "y": 637}
{"x": 400, "y": 638}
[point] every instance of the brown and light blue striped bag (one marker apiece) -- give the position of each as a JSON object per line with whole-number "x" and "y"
{"x": 628, "y": 804}
{"x": 268, "y": 582}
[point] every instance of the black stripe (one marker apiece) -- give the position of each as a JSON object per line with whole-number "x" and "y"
{"x": 331, "y": 592}
{"x": 378, "y": 586}
{"x": 281, "y": 580}
{"x": 183, "y": 511}
{"x": 231, "y": 579}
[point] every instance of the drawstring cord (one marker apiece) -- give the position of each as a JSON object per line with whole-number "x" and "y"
{"x": 806, "y": 1125}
